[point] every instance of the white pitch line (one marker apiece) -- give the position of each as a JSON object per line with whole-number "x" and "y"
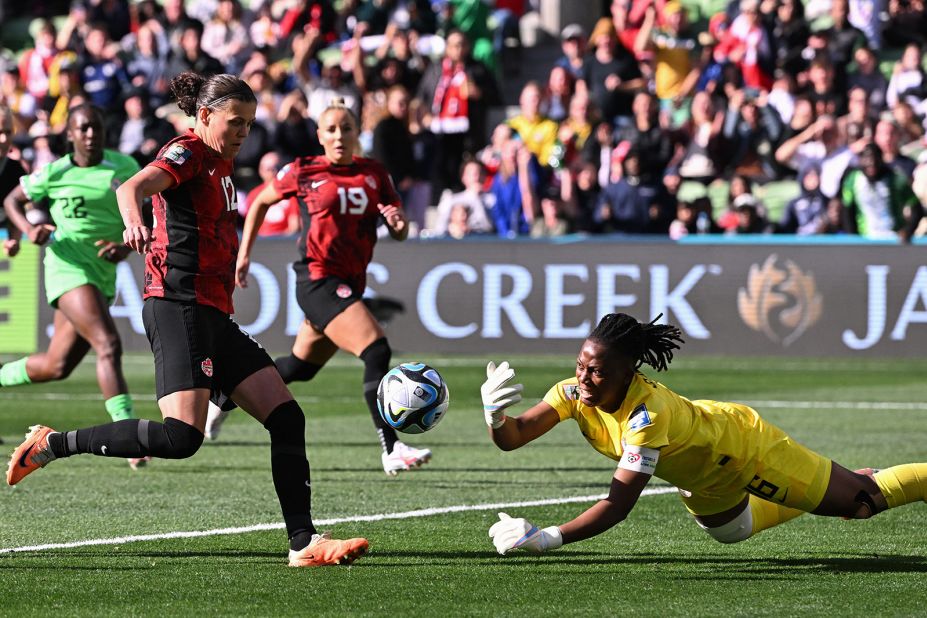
{"x": 442, "y": 510}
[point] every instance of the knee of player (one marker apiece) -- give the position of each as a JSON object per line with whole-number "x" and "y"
{"x": 182, "y": 440}
{"x": 108, "y": 346}
{"x": 737, "y": 530}
{"x": 377, "y": 354}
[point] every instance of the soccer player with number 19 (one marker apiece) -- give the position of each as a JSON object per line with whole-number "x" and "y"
{"x": 200, "y": 352}
{"x": 341, "y": 199}
{"x": 737, "y": 474}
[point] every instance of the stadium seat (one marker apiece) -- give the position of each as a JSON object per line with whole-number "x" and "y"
{"x": 776, "y": 195}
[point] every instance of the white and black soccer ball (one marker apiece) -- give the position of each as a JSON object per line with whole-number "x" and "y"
{"x": 412, "y": 397}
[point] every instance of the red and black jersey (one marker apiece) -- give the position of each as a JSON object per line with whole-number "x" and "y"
{"x": 195, "y": 242}
{"x": 338, "y": 206}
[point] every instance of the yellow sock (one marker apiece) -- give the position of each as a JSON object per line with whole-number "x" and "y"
{"x": 903, "y": 484}
{"x": 768, "y": 514}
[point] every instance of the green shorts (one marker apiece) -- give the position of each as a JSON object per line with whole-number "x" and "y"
{"x": 70, "y": 264}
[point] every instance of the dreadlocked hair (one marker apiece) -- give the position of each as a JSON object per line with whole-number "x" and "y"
{"x": 649, "y": 343}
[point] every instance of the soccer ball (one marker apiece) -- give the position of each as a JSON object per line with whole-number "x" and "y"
{"x": 412, "y": 397}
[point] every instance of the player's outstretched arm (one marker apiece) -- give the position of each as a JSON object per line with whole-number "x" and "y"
{"x": 268, "y": 196}
{"x": 511, "y": 533}
{"x": 625, "y": 489}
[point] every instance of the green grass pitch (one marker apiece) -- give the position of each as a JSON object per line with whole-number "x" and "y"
{"x": 658, "y": 562}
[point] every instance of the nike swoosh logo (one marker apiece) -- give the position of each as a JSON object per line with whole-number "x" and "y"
{"x": 318, "y": 183}
{"x": 211, "y": 172}
{"x": 22, "y": 458}
{"x": 103, "y": 449}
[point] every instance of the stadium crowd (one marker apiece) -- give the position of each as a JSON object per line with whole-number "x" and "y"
{"x": 666, "y": 118}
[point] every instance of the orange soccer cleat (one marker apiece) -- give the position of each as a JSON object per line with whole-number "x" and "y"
{"x": 32, "y": 454}
{"x": 326, "y": 551}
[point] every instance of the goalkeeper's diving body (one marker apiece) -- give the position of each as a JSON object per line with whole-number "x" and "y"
{"x": 736, "y": 473}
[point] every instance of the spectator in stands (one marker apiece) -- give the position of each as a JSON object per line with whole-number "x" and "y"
{"x": 457, "y": 90}
{"x": 147, "y": 65}
{"x": 699, "y": 153}
{"x": 515, "y": 190}
{"x": 63, "y": 86}
{"x": 632, "y": 206}
{"x": 575, "y": 131}
{"x": 268, "y": 98}
{"x": 113, "y": 13}
{"x": 310, "y": 15}
{"x": 857, "y": 123}
{"x": 295, "y": 134}
{"x": 573, "y": 45}
{"x": 173, "y": 20}
{"x": 676, "y": 68}
{"x": 103, "y": 77}
{"x": 35, "y": 64}
{"x": 907, "y": 23}
{"x": 867, "y": 16}
{"x": 753, "y": 129}
{"x": 225, "y": 38}
{"x": 190, "y": 56}
{"x": 822, "y": 90}
{"x": 265, "y": 31}
{"x": 419, "y": 195}
{"x": 21, "y": 104}
{"x": 537, "y": 132}
{"x": 491, "y": 154}
{"x": 74, "y": 31}
{"x": 746, "y": 45}
{"x": 789, "y": 35}
{"x": 868, "y": 77}
{"x": 471, "y": 18}
{"x": 282, "y": 218}
{"x": 392, "y": 146}
{"x": 843, "y": 39}
{"x": 909, "y": 127}
{"x": 693, "y": 217}
{"x": 555, "y": 102}
{"x": 749, "y": 216}
{"x": 141, "y": 133}
{"x": 611, "y": 74}
{"x": 648, "y": 139}
{"x": 807, "y": 213}
{"x": 887, "y": 139}
{"x": 581, "y": 193}
{"x": 908, "y": 82}
{"x": 478, "y": 203}
{"x": 820, "y": 143}
{"x": 880, "y": 202}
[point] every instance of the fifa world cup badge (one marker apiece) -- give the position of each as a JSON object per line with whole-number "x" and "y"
{"x": 206, "y": 366}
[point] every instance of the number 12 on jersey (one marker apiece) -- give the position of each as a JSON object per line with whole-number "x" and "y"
{"x": 231, "y": 196}
{"x": 357, "y": 198}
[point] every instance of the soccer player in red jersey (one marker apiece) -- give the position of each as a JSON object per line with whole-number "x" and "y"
{"x": 342, "y": 198}
{"x": 200, "y": 352}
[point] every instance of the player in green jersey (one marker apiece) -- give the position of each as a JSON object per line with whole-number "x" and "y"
{"x": 80, "y": 265}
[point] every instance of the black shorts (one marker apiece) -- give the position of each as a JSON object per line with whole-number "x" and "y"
{"x": 198, "y": 346}
{"x": 323, "y": 299}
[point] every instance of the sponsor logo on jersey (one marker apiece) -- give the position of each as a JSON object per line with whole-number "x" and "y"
{"x": 571, "y": 391}
{"x": 639, "y": 418}
{"x": 206, "y": 366}
{"x": 371, "y": 182}
{"x": 343, "y": 291}
{"x": 780, "y": 303}
{"x": 178, "y": 154}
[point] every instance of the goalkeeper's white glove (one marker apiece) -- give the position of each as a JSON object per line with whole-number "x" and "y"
{"x": 496, "y": 395}
{"x": 517, "y": 533}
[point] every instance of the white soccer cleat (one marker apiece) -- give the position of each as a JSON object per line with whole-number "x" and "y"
{"x": 214, "y": 419}
{"x": 404, "y": 457}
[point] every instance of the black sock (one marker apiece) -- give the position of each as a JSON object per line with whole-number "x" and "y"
{"x": 294, "y": 369}
{"x": 172, "y": 439}
{"x": 376, "y": 358}
{"x": 290, "y": 469}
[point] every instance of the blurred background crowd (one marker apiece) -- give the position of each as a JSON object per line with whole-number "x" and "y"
{"x": 662, "y": 117}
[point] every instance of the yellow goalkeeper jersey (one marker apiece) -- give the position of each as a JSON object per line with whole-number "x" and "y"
{"x": 706, "y": 447}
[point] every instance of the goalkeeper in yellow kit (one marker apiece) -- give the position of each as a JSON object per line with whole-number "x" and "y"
{"x": 736, "y": 473}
